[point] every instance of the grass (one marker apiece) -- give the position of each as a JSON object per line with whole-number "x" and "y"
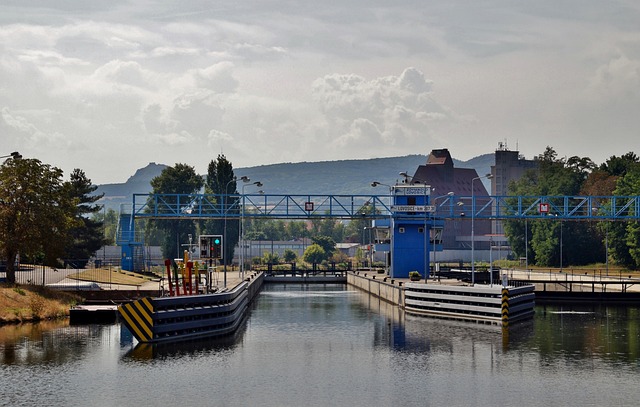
{"x": 33, "y": 303}
{"x": 111, "y": 276}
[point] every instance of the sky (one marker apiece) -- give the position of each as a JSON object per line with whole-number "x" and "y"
{"x": 109, "y": 86}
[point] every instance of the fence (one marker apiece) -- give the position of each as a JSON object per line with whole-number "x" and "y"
{"x": 84, "y": 274}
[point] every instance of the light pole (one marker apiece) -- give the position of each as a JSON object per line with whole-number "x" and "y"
{"x": 242, "y": 251}
{"x": 386, "y": 260}
{"x": 448, "y": 195}
{"x": 226, "y": 209}
{"x": 561, "y": 245}
{"x": 15, "y": 155}
{"x": 473, "y": 237}
{"x": 526, "y": 244}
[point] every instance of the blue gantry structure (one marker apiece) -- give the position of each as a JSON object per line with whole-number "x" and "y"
{"x": 412, "y": 216}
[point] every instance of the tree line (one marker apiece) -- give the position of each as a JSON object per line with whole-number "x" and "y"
{"x": 45, "y": 219}
{"x": 561, "y": 243}
{"x": 48, "y": 220}
{"x": 221, "y": 180}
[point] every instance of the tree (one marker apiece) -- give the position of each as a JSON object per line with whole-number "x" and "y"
{"x": 295, "y": 230}
{"x": 222, "y": 181}
{"x": 354, "y": 231}
{"x": 36, "y": 212}
{"x": 109, "y": 220}
{"x": 289, "y": 256}
{"x": 88, "y": 234}
{"x": 581, "y": 243}
{"x": 626, "y": 248}
{"x": 179, "y": 179}
{"x": 314, "y": 254}
{"x": 327, "y": 244}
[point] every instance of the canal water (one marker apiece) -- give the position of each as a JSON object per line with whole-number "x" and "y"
{"x": 328, "y": 345}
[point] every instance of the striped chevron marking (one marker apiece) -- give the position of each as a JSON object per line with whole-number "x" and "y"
{"x": 137, "y": 317}
{"x": 505, "y": 307}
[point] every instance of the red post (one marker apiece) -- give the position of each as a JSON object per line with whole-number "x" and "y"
{"x": 189, "y": 268}
{"x": 196, "y": 269}
{"x": 167, "y": 264}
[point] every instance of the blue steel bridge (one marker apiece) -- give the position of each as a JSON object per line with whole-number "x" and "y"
{"x": 414, "y": 218}
{"x": 207, "y": 206}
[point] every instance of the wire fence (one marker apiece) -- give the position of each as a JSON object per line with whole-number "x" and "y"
{"x": 86, "y": 274}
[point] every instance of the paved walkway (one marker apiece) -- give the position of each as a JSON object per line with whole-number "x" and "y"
{"x": 586, "y": 281}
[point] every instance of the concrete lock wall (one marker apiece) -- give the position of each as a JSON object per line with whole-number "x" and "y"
{"x": 389, "y": 290}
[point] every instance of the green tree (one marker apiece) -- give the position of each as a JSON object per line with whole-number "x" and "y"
{"x": 221, "y": 181}
{"x": 36, "y": 212}
{"x": 268, "y": 257}
{"x": 314, "y": 254}
{"x": 289, "y": 256}
{"x": 179, "y": 179}
{"x": 87, "y": 236}
{"x": 295, "y": 230}
{"x": 109, "y": 220}
{"x": 581, "y": 243}
{"x": 355, "y": 230}
{"x": 327, "y": 244}
{"x": 626, "y": 248}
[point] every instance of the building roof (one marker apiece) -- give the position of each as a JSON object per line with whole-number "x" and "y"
{"x": 441, "y": 175}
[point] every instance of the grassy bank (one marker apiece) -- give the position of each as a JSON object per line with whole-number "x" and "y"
{"x": 33, "y": 303}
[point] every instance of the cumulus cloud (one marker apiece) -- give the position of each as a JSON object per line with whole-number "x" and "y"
{"x": 619, "y": 77}
{"x": 146, "y": 81}
{"x": 379, "y": 113}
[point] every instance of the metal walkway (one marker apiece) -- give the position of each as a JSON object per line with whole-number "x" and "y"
{"x": 204, "y": 206}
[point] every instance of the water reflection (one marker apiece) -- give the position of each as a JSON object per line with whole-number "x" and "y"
{"x": 608, "y": 332}
{"x": 333, "y": 345}
{"x": 47, "y": 342}
{"x": 142, "y": 352}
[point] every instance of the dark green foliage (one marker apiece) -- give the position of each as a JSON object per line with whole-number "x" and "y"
{"x": 36, "y": 212}
{"x": 315, "y": 254}
{"x": 179, "y": 179}
{"x": 555, "y": 243}
{"x": 87, "y": 235}
{"x": 222, "y": 181}
{"x": 327, "y": 244}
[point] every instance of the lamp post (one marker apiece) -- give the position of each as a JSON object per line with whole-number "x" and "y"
{"x": 386, "y": 260}
{"x": 448, "y": 195}
{"x": 473, "y": 238}
{"x": 242, "y": 251}
{"x": 561, "y": 245}
{"x": 15, "y": 156}
{"x": 226, "y": 209}
{"x": 526, "y": 244}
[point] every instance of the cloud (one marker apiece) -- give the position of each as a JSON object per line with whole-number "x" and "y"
{"x": 135, "y": 82}
{"x": 380, "y": 113}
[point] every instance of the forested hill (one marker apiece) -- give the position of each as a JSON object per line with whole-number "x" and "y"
{"x": 345, "y": 177}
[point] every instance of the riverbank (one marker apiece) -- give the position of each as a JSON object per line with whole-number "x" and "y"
{"x": 33, "y": 303}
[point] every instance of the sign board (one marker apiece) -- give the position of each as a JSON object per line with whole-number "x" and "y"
{"x": 412, "y": 190}
{"x": 413, "y": 208}
{"x": 543, "y": 208}
{"x": 308, "y": 206}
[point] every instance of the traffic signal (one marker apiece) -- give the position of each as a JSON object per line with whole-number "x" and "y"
{"x": 216, "y": 247}
{"x": 211, "y": 247}
{"x": 204, "y": 247}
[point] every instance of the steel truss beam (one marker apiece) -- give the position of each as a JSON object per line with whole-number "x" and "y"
{"x": 204, "y": 206}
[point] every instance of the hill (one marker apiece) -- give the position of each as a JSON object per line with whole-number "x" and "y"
{"x": 344, "y": 177}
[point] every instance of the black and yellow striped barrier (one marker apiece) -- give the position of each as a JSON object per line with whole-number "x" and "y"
{"x": 137, "y": 317}
{"x": 505, "y": 307}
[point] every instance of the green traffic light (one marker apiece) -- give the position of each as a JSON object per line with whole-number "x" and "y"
{"x": 217, "y": 241}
